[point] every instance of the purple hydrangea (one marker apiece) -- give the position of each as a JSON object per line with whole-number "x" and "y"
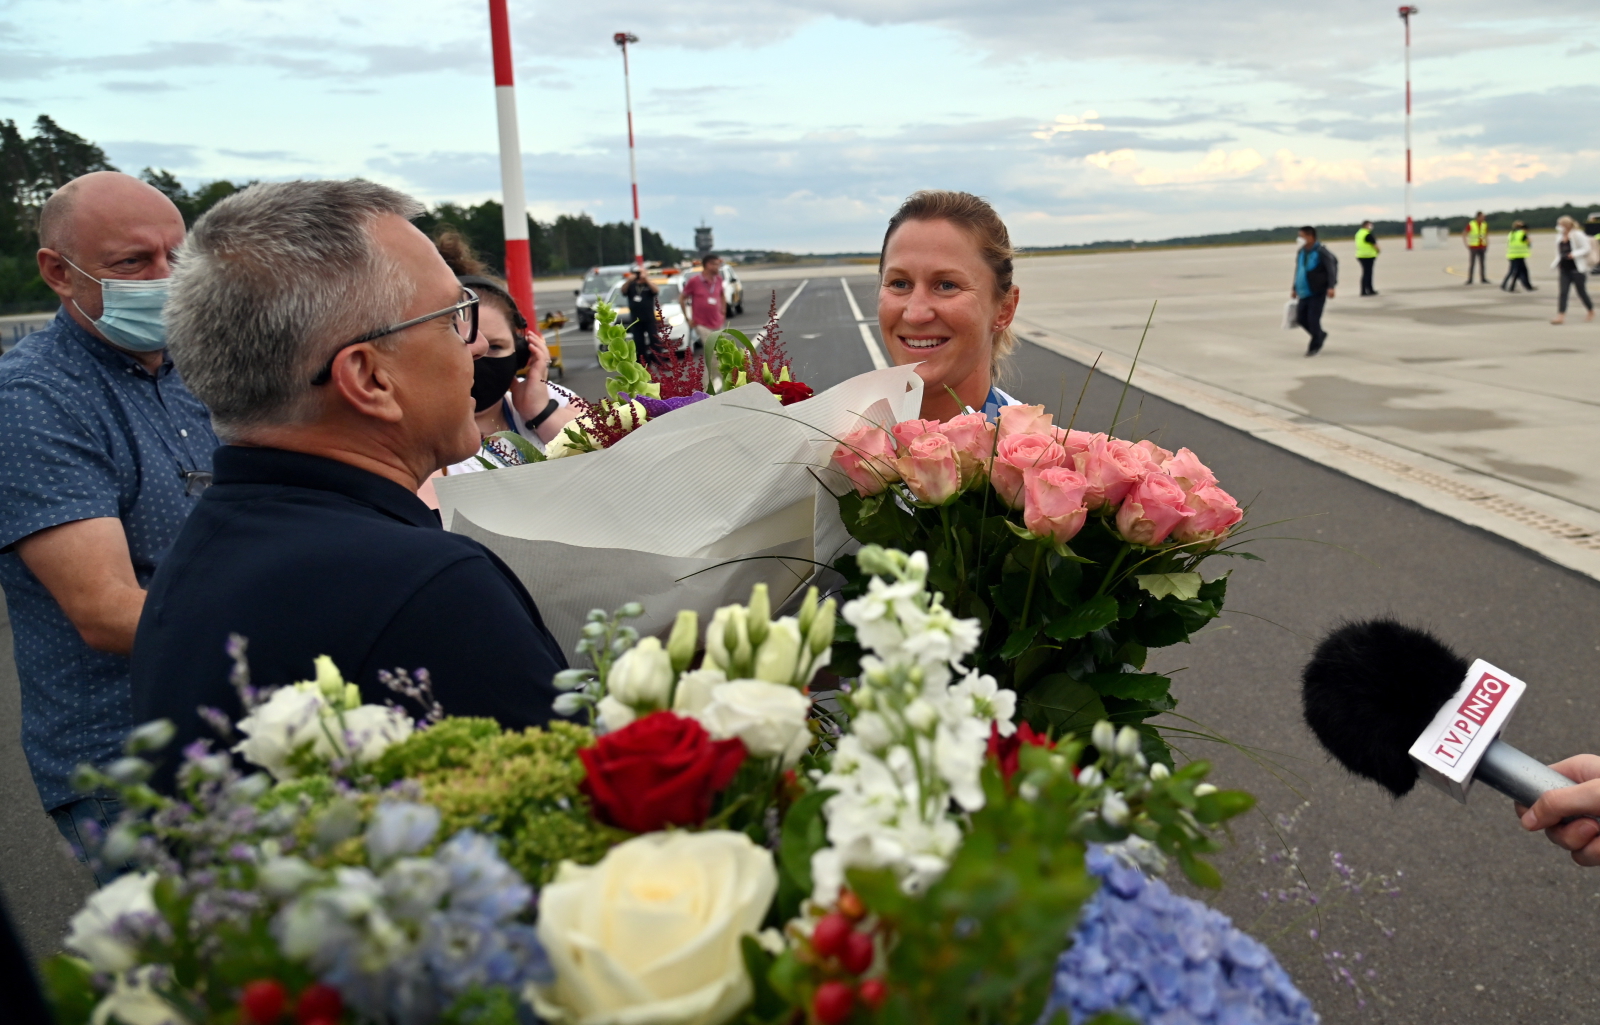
{"x": 1163, "y": 959}
{"x": 655, "y": 407}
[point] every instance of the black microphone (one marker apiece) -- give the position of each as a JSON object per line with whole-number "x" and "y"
{"x": 1392, "y": 702}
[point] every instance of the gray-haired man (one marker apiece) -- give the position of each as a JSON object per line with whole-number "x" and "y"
{"x": 330, "y": 341}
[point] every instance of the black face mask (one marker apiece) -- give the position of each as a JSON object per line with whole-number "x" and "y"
{"x": 491, "y": 377}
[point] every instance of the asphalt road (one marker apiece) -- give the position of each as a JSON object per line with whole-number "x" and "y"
{"x": 1491, "y": 925}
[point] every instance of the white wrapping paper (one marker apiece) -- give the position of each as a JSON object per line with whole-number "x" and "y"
{"x": 687, "y": 512}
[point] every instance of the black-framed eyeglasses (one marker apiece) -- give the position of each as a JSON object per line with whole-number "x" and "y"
{"x": 465, "y": 313}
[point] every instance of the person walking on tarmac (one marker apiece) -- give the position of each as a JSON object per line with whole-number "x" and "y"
{"x": 1367, "y": 254}
{"x": 1517, "y": 250}
{"x": 1316, "y": 275}
{"x": 1477, "y": 238}
{"x": 1572, "y": 253}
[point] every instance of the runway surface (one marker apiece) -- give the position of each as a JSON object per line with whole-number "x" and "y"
{"x": 1490, "y": 925}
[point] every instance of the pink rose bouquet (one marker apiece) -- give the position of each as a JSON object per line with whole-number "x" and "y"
{"x": 1077, "y": 551}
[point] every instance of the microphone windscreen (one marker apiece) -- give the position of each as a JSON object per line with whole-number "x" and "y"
{"x": 1370, "y": 690}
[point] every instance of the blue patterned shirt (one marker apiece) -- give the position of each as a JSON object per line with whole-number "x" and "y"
{"x": 85, "y": 431}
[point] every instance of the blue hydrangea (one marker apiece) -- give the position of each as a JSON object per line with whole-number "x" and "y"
{"x": 1162, "y": 959}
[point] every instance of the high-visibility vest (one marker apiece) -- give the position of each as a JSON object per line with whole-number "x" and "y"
{"x": 1477, "y": 234}
{"x": 1517, "y": 247}
{"x": 1364, "y": 246}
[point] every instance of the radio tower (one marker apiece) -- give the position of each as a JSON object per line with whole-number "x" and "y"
{"x": 622, "y": 39}
{"x": 1405, "y": 16}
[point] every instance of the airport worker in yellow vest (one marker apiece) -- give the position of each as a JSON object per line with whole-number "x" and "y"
{"x": 1477, "y": 239}
{"x": 1367, "y": 254}
{"x": 1517, "y": 250}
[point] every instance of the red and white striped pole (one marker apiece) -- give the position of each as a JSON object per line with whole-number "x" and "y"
{"x": 622, "y": 39}
{"x": 1405, "y": 16}
{"x": 519, "y": 262}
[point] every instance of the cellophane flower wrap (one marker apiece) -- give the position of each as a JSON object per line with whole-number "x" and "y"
{"x": 1075, "y": 553}
{"x": 719, "y": 844}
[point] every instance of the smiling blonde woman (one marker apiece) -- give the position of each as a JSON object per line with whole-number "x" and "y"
{"x": 946, "y": 300}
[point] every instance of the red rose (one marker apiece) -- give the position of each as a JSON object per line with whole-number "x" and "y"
{"x": 790, "y": 392}
{"x": 658, "y": 771}
{"x": 1004, "y": 749}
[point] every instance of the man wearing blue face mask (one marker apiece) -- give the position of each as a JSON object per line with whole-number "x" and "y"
{"x": 104, "y": 453}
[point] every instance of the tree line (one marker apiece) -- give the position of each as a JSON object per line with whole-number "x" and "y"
{"x": 33, "y": 167}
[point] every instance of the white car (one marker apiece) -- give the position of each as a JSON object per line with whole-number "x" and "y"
{"x": 667, "y": 292}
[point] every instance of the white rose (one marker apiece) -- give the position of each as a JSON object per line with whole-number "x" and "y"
{"x": 642, "y": 676}
{"x": 694, "y": 691}
{"x": 651, "y": 933}
{"x": 771, "y": 718}
{"x": 92, "y": 929}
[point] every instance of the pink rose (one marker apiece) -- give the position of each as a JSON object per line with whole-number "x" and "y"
{"x": 1017, "y": 455}
{"x": 905, "y": 430}
{"x": 1073, "y": 441}
{"x": 1152, "y": 510}
{"x": 973, "y": 437}
{"x": 866, "y": 456}
{"x": 1024, "y": 420}
{"x": 1111, "y": 469}
{"x": 928, "y": 466}
{"x": 1151, "y": 455}
{"x": 1187, "y": 469}
{"x": 1215, "y": 513}
{"x": 1054, "y": 506}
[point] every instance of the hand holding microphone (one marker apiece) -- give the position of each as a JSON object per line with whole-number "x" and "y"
{"x": 1392, "y": 703}
{"x": 1567, "y": 815}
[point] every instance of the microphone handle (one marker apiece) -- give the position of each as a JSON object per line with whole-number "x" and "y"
{"x": 1520, "y": 777}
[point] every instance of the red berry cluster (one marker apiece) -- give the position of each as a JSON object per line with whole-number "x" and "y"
{"x": 264, "y": 1001}
{"x": 840, "y": 944}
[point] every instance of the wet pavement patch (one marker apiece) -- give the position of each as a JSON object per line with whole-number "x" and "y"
{"x": 1342, "y": 401}
{"x": 1511, "y": 468}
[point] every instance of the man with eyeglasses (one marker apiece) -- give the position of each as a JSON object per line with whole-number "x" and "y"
{"x": 331, "y": 342}
{"x": 103, "y": 453}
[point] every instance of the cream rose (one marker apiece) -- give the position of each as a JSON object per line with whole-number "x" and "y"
{"x": 650, "y": 935}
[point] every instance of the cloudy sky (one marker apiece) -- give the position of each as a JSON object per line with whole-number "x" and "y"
{"x": 800, "y": 124}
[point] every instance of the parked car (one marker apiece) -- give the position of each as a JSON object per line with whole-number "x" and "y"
{"x": 596, "y": 284}
{"x": 732, "y": 289}
{"x": 668, "y": 292}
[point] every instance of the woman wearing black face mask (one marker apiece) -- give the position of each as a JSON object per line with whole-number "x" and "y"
{"x": 510, "y": 388}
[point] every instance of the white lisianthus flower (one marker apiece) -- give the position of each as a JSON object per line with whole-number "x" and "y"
{"x": 652, "y": 933}
{"x": 93, "y": 929}
{"x": 772, "y": 719}
{"x": 694, "y": 690}
{"x": 778, "y": 660}
{"x": 642, "y": 676}
{"x": 612, "y": 715}
{"x": 325, "y": 714}
{"x": 370, "y": 729}
{"x": 133, "y": 1000}
{"x": 285, "y": 876}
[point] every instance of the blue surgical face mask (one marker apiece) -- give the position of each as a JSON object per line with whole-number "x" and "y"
{"x": 131, "y": 311}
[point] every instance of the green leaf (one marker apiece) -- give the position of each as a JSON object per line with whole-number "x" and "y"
{"x": 803, "y": 835}
{"x": 1160, "y": 629}
{"x": 1094, "y": 614}
{"x": 1062, "y": 705}
{"x": 1021, "y": 531}
{"x": 1183, "y": 585}
{"x": 1018, "y": 642}
{"x": 1130, "y": 686}
{"x": 758, "y": 963}
{"x": 68, "y": 986}
{"x": 1215, "y": 591}
{"x": 523, "y": 446}
{"x": 1201, "y": 873}
{"x": 1247, "y": 555}
{"x": 1065, "y": 576}
{"x": 1223, "y": 805}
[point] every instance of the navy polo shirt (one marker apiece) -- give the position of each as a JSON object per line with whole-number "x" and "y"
{"x": 85, "y": 432}
{"x": 306, "y": 556}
